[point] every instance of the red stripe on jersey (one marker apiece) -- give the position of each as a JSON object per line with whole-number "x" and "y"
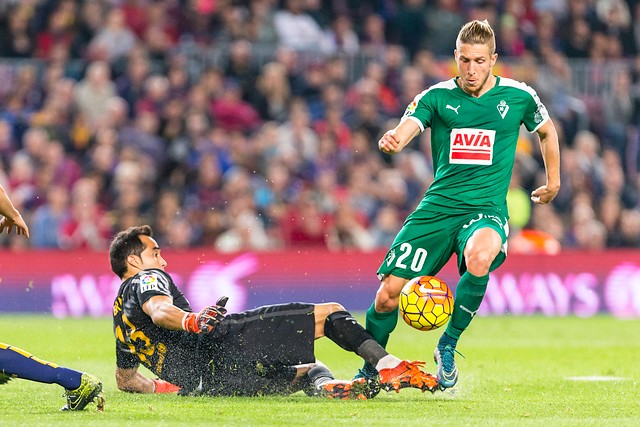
{"x": 466, "y": 155}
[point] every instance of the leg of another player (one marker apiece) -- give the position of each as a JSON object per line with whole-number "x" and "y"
{"x": 18, "y": 363}
{"x": 80, "y": 388}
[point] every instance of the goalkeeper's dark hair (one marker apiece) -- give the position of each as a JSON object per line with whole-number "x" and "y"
{"x": 127, "y": 243}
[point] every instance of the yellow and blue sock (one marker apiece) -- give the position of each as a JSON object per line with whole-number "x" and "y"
{"x": 18, "y": 363}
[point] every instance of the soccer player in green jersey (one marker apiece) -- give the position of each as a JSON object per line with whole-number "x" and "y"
{"x": 475, "y": 119}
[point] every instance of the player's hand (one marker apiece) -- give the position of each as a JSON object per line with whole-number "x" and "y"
{"x": 161, "y": 386}
{"x": 18, "y": 222}
{"x": 389, "y": 143}
{"x": 543, "y": 195}
{"x": 207, "y": 319}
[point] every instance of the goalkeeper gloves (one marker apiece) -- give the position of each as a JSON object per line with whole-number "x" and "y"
{"x": 161, "y": 386}
{"x": 206, "y": 320}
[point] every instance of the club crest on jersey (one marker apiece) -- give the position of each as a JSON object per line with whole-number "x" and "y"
{"x": 503, "y": 108}
{"x": 148, "y": 282}
{"x": 472, "y": 146}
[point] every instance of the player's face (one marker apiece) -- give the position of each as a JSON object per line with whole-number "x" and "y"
{"x": 475, "y": 64}
{"x": 150, "y": 257}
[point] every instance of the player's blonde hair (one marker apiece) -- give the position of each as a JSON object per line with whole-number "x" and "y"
{"x": 477, "y": 32}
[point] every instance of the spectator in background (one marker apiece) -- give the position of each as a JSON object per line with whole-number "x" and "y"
{"x": 340, "y": 38}
{"x": 296, "y": 137}
{"x": 59, "y": 32}
{"x": 618, "y": 111}
{"x": 131, "y": 84}
{"x": 160, "y": 33}
{"x": 47, "y": 219}
{"x": 348, "y": 231}
{"x": 273, "y": 93}
{"x": 629, "y": 236}
{"x": 22, "y": 180}
{"x": 509, "y": 42}
{"x": 262, "y": 29}
{"x": 386, "y": 224}
{"x": 373, "y": 41}
{"x": 305, "y": 225}
{"x": 442, "y": 19}
{"x": 115, "y": 40}
{"x": 88, "y": 226}
{"x": 168, "y": 206}
{"x": 240, "y": 67}
{"x": 231, "y": 112}
{"x": 156, "y": 94}
{"x": 296, "y": 29}
{"x": 92, "y": 92}
{"x": 16, "y": 37}
{"x": 615, "y": 17}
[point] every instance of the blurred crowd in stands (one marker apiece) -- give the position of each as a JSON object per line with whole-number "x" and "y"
{"x": 253, "y": 125}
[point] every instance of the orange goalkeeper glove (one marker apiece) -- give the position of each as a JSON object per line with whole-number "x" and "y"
{"x": 162, "y": 386}
{"x": 206, "y": 320}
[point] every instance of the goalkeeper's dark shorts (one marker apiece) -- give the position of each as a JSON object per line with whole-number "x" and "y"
{"x": 253, "y": 352}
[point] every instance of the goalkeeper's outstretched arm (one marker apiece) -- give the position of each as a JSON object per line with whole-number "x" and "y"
{"x": 132, "y": 381}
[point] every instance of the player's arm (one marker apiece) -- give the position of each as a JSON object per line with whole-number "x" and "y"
{"x": 550, "y": 149}
{"x": 163, "y": 313}
{"x": 132, "y": 381}
{"x": 166, "y": 315}
{"x": 11, "y": 216}
{"x": 394, "y": 140}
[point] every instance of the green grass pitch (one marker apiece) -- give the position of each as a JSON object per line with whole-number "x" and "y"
{"x": 516, "y": 371}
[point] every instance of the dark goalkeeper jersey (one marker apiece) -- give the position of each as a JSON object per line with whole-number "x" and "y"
{"x": 168, "y": 354}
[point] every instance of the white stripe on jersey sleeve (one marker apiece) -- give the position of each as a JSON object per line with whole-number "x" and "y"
{"x": 505, "y": 81}
{"x": 447, "y": 84}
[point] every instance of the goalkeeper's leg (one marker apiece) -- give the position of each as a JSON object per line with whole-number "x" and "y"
{"x": 345, "y": 331}
{"x": 382, "y": 321}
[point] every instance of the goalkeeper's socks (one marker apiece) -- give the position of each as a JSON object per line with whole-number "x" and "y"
{"x": 469, "y": 294}
{"x": 319, "y": 375}
{"x": 19, "y": 363}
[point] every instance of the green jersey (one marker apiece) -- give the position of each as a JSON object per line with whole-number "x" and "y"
{"x": 474, "y": 141}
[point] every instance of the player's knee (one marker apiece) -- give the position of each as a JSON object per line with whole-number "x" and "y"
{"x": 479, "y": 262}
{"x": 322, "y": 311}
{"x": 385, "y": 302}
{"x": 334, "y": 306}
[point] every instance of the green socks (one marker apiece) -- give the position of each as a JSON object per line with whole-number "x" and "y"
{"x": 380, "y": 325}
{"x": 469, "y": 295}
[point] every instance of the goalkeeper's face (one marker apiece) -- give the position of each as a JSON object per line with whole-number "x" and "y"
{"x": 150, "y": 257}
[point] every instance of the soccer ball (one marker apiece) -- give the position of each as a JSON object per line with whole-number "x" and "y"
{"x": 426, "y": 303}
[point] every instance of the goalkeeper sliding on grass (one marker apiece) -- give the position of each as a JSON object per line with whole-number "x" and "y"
{"x": 269, "y": 350}
{"x": 80, "y": 388}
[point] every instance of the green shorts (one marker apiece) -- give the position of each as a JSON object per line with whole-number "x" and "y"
{"x": 428, "y": 239}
